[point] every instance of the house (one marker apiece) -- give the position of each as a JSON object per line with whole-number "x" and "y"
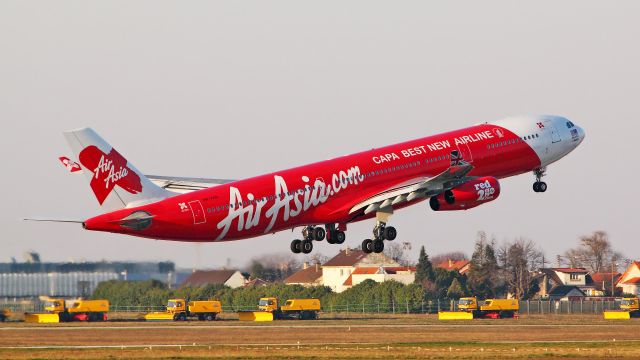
{"x": 256, "y": 282}
{"x": 337, "y": 270}
{"x": 231, "y": 278}
{"x": 308, "y": 276}
{"x": 550, "y": 278}
{"x": 602, "y": 282}
{"x": 566, "y": 293}
{"x": 402, "y": 274}
{"x": 461, "y": 266}
{"x": 629, "y": 281}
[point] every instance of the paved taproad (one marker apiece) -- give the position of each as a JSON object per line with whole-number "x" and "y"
{"x": 171, "y": 334}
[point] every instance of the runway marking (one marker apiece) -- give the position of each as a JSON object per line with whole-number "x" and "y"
{"x": 257, "y": 345}
{"x": 340, "y": 326}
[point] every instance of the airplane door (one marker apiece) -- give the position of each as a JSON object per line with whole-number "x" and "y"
{"x": 198, "y": 212}
{"x": 555, "y": 136}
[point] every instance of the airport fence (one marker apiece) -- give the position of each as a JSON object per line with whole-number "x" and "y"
{"x": 528, "y": 307}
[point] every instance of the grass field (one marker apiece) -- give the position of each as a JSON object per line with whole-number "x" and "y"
{"x": 399, "y": 336}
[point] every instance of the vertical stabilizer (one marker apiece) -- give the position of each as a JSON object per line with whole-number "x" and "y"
{"x": 115, "y": 182}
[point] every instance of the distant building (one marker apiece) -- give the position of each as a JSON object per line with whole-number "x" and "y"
{"x": 32, "y": 278}
{"x": 337, "y": 270}
{"x": 231, "y": 278}
{"x": 602, "y": 281}
{"x": 566, "y": 293}
{"x": 256, "y": 282}
{"x": 629, "y": 281}
{"x": 309, "y": 275}
{"x": 551, "y": 278}
{"x": 461, "y": 266}
{"x": 402, "y": 274}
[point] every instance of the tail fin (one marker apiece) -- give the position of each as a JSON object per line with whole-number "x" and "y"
{"x": 115, "y": 181}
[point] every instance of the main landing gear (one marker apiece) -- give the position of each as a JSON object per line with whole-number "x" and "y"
{"x": 539, "y": 186}
{"x": 317, "y": 233}
{"x": 380, "y": 233}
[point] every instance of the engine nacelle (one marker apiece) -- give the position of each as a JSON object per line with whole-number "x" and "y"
{"x": 468, "y": 195}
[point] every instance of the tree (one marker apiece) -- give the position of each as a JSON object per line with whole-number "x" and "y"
{"x": 396, "y": 252}
{"x": 594, "y": 253}
{"x": 424, "y": 269}
{"x": 518, "y": 260}
{"x": 454, "y": 255}
{"x": 483, "y": 270}
{"x": 456, "y": 290}
{"x": 273, "y": 267}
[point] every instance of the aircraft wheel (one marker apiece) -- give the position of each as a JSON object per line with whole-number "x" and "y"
{"x": 367, "y": 246}
{"x": 307, "y": 246}
{"x": 542, "y": 186}
{"x": 319, "y": 233}
{"x": 296, "y": 246}
{"x": 378, "y": 246}
{"x": 339, "y": 237}
{"x": 390, "y": 233}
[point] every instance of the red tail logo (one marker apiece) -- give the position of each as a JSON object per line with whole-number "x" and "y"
{"x": 109, "y": 170}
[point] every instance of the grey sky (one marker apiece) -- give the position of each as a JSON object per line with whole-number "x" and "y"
{"x": 230, "y": 89}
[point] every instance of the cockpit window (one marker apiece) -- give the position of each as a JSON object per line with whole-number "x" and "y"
{"x": 569, "y": 125}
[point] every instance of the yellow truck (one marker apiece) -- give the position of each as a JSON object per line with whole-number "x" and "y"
{"x": 268, "y": 310}
{"x": 469, "y": 308}
{"x": 180, "y": 310}
{"x": 628, "y": 309}
{"x": 61, "y": 310}
{"x": 4, "y": 314}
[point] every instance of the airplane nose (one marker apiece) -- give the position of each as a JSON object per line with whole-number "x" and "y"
{"x": 581, "y": 133}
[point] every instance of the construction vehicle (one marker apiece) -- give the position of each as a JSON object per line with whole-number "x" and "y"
{"x": 628, "y": 309}
{"x": 180, "y": 310}
{"x": 469, "y": 309}
{"x": 61, "y": 310}
{"x": 268, "y": 310}
{"x": 78, "y": 310}
{"x": 4, "y": 314}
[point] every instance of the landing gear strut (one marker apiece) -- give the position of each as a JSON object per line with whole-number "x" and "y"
{"x": 381, "y": 232}
{"x": 539, "y": 186}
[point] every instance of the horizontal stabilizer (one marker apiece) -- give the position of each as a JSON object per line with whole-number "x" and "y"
{"x": 55, "y": 220}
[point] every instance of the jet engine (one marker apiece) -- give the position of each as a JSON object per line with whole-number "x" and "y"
{"x": 468, "y": 195}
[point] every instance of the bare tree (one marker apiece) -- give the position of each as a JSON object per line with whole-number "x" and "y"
{"x": 273, "y": 267}
{"x": 397, "y": 253}
{"x": 518, "y": 260}
{"x": 594, "y": 253}
{"x": 318, "y": 258}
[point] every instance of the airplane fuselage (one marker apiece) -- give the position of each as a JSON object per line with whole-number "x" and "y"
{"x": 326, "y": 192}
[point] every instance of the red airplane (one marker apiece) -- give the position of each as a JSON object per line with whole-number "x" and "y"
{"x": 457, "y": 170}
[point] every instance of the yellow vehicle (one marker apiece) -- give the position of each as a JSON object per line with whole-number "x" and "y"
{"x": 180, "y": 310}
{"x": 4, "y": 314}
{"x": 302, "y": 309}
{"x": 629, "y": 308}
{"x": 469, "y": 308}
{"x": 74, "y": 310}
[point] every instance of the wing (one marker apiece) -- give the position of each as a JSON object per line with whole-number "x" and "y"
{"x": 185, "y": 184}
{"x": 454, "y": 176}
